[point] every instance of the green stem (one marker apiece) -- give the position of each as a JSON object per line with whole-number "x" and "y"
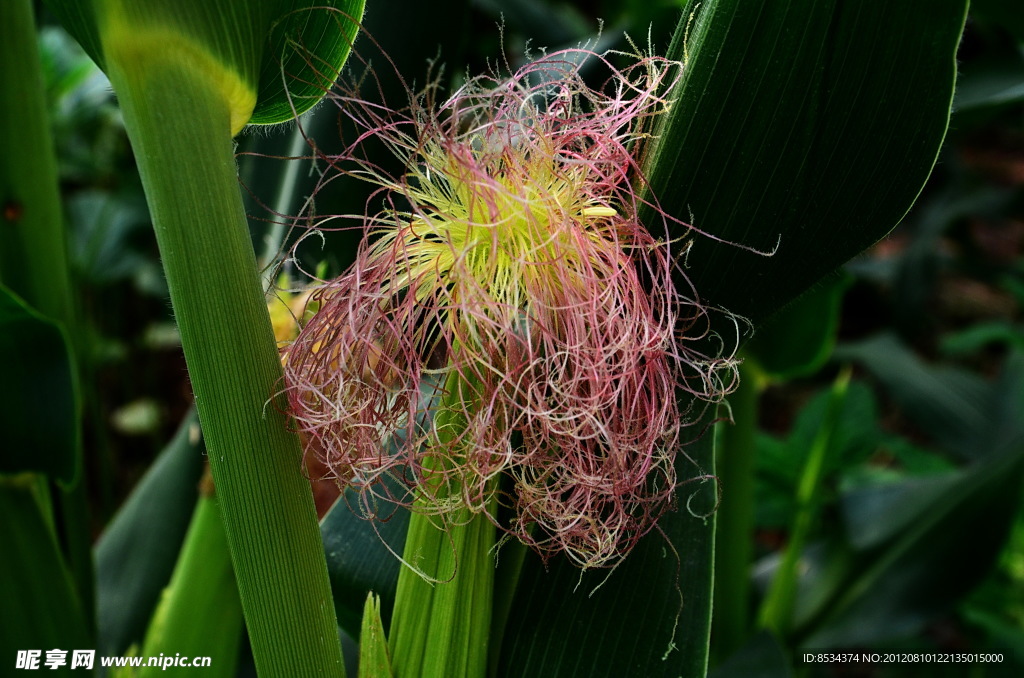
{"x": 200, "y": 614}
{"x": 180, "y": 128}
{"x": 777, "y": 609}
{"x": 442, "y": 630}
{"x": 736, "y": 464}
{"x": 442, "y": 618}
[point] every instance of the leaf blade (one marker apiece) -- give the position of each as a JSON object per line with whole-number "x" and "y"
{"x": 787, "y": 131}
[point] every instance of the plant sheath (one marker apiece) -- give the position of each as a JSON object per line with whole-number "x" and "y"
{"x": 737, "y": 459}
{"x": 179, "y": 124}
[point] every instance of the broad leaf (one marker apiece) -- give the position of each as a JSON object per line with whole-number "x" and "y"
{"x": 799, "y": 339}
{"x": 650, "y": 616}
{"x": 307, "y": 47}
{"x": 761, "y": 657}
{"x": 362, "y": 558}
{"x": 272, "y": 59}
{"x": 948, "y": 531}
{"x": 136, "y": 554}
{"x": 950, "y": 405}
{"x": 39, "y": 606}
{"x": 38, "y": 408}
{"x": 803, "y": 128}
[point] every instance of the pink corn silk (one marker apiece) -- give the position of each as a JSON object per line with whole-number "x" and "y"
{"x": 515, "y": 319}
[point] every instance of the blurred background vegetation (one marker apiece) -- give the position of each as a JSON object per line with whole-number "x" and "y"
{"x": 913, "y": 535}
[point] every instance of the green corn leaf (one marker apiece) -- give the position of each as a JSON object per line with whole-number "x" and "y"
{"x": 650, "y": 616}
{"x": 38, "y": 411}
{"x": 951, "y": 405}
{"x": 202, "y": 580}
{"x": 761, "y": 657}
{"x": 799, "y": 339}
{"x": 307, "y": 47}
{"x": 39, "y": 606}
{"x": 361, "y": 557}
{"x": 135, "y": 555}
{"x": 271, "y": 59}
{"x": 801, "y": 128}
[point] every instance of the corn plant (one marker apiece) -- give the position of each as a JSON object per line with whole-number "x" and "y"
{"x": 519, "y": 383}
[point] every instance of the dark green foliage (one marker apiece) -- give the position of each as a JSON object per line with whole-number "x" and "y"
{"x": 38, "y": 404}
